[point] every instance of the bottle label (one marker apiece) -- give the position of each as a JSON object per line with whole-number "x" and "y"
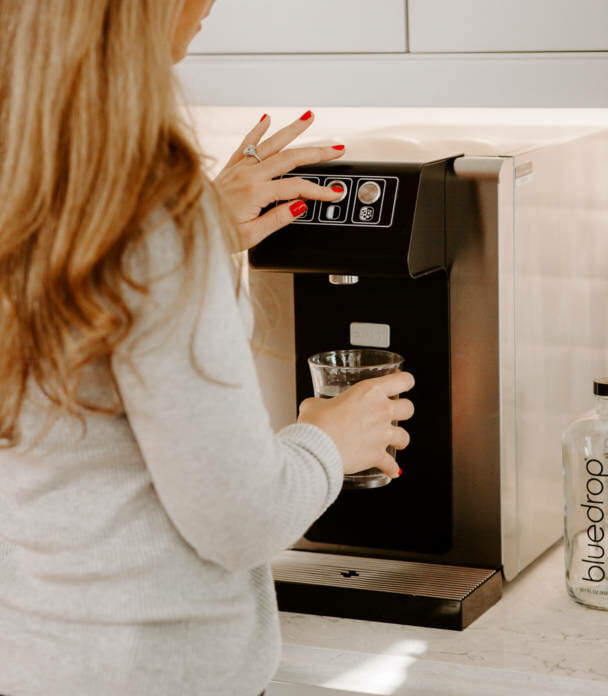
{"x": 595, "y": 547}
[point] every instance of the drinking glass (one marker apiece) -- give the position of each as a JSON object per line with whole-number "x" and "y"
{"x": 335, "y": 371}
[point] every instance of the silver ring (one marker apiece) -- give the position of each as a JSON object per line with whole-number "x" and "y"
{"x": 250, "y": 151}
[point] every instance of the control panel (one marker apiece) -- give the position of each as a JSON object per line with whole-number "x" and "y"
{"x": 387, "y": 220}
{"x": 366, "y": 200}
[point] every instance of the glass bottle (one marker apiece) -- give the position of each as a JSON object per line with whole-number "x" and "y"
{"x": 585, "y": 467}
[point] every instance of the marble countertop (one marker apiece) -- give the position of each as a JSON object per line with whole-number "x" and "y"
{"x": 535, "y": 641}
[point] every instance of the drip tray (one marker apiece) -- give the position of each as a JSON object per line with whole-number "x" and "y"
{"x": 376, "y": 589}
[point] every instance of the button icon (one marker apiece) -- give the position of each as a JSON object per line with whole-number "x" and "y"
{"x": 333, "y": 212}
{"x": 366, "y": 214}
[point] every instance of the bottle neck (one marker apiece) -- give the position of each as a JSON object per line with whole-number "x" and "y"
{"x": 601, "y": 406}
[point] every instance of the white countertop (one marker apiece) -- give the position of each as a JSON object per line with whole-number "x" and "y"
{"x": 535, "y": 641}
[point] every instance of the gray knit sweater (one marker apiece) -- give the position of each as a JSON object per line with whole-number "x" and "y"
{"x": 134, "y": 558}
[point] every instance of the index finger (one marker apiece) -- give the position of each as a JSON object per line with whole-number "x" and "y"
{"x": 395, "y": 383}
{"x": 287, "y": 160}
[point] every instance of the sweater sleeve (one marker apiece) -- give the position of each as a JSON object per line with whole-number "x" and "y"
{"x": 237, "y": 492}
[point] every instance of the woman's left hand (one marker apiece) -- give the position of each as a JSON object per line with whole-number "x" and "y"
{"x": 248, "y": 185}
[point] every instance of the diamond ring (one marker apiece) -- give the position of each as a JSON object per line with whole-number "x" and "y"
{"x": 250, "y": 151}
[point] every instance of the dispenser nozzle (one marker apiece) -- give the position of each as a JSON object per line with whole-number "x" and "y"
{"x": 343, "y": 279}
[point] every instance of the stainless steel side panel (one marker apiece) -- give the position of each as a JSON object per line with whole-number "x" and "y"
{"x": 508, "y": 438}
{"x": 489, "y": 271}
{"x": 474, "y": 211}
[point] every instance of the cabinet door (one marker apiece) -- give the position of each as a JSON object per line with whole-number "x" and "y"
{"x": 313, "y": 26}
{"x": 508, "y": 25}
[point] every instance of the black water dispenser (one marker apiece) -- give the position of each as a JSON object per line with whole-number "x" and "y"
{"x": 373, "y": 269}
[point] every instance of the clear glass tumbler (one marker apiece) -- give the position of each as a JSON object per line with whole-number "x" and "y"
{"x": 335, "y": 371}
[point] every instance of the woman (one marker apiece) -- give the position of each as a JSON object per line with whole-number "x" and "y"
{"x": 141, "y": 487}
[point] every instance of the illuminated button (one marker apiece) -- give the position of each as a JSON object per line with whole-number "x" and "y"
{"x": 337, "y": 182}
{"x": 333, "y": 212}
{"x": 369, "y": 192}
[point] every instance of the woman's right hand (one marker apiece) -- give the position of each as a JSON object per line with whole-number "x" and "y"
{"x": 249, "y": 186}
{"x": 359, "y": 421}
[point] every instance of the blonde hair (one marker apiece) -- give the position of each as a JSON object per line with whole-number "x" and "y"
{"x": 91, "y": 142}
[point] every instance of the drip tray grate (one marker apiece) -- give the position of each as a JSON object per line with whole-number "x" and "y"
{"x": 423, "y": 594}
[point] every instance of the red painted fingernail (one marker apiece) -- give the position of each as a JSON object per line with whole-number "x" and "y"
{"x": 337, "y": 189}
{"x": 338, "y": 147}
{"x": 306, "y": 116}
{"x": 263, "y": 117}
{"x": 400, "y": 472}
{"x": 298, "y": 208}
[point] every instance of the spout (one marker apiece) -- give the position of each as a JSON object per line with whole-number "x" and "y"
{"x": 343, "y": 279}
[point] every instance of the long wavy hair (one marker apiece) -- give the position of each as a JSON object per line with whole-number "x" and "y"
{"x": 91, "y": 142}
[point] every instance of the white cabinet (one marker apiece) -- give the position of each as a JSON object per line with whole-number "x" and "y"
{"x": 303, "y": 26}
{"x": 476, "y": 53}
{"x": 450, "y": 26}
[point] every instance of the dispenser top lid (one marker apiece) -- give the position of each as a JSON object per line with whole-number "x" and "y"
{"x": 600, "y": 386}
